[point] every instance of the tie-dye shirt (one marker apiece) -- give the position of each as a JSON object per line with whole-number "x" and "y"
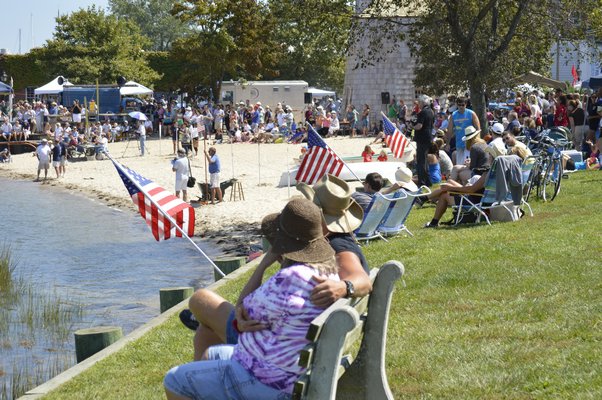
{"x": 282, "y": 303}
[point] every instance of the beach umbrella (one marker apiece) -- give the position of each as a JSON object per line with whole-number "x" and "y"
{"x": 138, "y": 115}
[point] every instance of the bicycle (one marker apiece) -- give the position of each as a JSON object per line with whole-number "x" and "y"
{"x": 546, "y": 174}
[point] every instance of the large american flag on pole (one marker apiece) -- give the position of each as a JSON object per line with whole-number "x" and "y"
{"x": 155, "y": 204}
{"x": 318, "y": 161}
{"x": 396, "y": 140}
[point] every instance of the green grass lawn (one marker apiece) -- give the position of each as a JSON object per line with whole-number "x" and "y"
{"x": 509, "y": 311}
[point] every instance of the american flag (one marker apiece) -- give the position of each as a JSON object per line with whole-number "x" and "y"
{"x": 318, "y": 161}
{"x": 396, "y": 140}
{"x": 163, "y": 204}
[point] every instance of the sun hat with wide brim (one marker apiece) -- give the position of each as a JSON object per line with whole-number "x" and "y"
{"x": 342, "y": 214}
{"x": 296, "y": 232}
{"x": 403, "y": 176}
{"x": 469, "y": 133}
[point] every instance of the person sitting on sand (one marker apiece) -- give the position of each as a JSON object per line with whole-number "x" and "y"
{"x": 5, "y": 156}
{"x": 211, "y": 316}
{"x": 263, "y": 363}
{"x": 367, "y": 154}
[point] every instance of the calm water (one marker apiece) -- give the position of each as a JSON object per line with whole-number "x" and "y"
{"x": 103, "y": 258}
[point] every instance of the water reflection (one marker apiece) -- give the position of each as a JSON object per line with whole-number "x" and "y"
{"x": 104, "y": 259}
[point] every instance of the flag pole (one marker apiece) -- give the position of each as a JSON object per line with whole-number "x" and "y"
{"x": 169, "y": 218}
{"x": 344, "y": 163}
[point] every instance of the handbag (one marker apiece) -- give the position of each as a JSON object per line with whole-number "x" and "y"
{"x": 191, "y": 179}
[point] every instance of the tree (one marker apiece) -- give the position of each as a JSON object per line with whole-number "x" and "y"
{"x": 231, "y": 38}
{"x": 154, "y": 19}
{"x": 313, "y": 40}
{"x": 481, "y": 45}
{"x": 89, "y": 45}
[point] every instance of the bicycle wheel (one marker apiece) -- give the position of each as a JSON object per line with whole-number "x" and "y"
{"x": 531, "y": 188}
{"x": 541, "y": 177}
{"x": 551, "y": 183}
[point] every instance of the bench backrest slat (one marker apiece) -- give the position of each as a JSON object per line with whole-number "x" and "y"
{"x": 333, "y": 334}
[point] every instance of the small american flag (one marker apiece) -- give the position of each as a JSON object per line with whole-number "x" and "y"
{"x": 163, "y": 204}
{"x": 319, "y": 160}
{"x": 396, "y": 140}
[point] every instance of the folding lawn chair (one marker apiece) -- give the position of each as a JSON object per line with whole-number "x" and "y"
{"x": 526, "y": 169}
{"x": 394, "y": 220}
{"x": 488, "y": 199}
{"x": 373, "y": 215}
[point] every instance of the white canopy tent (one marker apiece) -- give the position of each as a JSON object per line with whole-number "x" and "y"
{"x": 52, "y": 87}
{"x": 319, "y": 93}
{"x": 133, "y": 88}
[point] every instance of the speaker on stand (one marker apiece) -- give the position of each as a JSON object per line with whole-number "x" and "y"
{"x": 385, "y": 99}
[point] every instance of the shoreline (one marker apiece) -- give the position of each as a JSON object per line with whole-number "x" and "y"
{"x": 231, "y": 226}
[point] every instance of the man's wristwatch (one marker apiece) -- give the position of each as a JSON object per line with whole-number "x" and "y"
{"x": 350, "y": 289}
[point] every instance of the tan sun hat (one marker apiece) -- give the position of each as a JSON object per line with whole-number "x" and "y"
{"x": 469, "y": 133}
{"x": 342, "y": 214}
{"x": 296, "y": 232}
{"x": 403, "y": 176}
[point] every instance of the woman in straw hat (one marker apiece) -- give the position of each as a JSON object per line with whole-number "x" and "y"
{"x": 263, "y": 364}
{"x": 211, "y": 316}
{"x": 479, "y": 161}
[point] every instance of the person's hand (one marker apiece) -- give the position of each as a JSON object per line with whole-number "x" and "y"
{"x": 244, "y": 323}
{"x": 327, "y": 291}
{"x": 445, "y": 187}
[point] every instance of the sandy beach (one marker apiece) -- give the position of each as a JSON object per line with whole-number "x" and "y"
{"x": 232, "y": 225}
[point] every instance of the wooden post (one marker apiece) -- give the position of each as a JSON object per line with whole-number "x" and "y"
{"x": 92, "y": 340}
{"x": 169, "y": 297}
{"x": 228, "y": 264}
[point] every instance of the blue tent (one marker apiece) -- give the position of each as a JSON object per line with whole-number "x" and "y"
{"x": 5, "y": 89}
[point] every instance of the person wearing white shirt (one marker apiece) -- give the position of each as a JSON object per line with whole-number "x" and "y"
{"x": 141, "y": 130}
{"x": 335, "y": 125}
{"x": 43, "y": 155}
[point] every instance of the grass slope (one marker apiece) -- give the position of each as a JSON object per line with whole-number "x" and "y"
{"x": 511, "y": 311}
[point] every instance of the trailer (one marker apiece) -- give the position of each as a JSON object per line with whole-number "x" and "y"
{"x": 292, "y": 93}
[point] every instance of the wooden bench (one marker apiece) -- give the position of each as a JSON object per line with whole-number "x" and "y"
{"x": 331, "y": 370}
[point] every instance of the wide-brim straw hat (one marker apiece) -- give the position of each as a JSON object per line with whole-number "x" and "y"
{"x": 403, "y": 176}
{"x": 296, "y": 232}
{"x": 469, "y": 133}
{"x": 342, "y": 214}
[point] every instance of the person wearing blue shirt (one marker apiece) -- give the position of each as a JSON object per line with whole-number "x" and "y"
{"x": 214, "y": 170}
{"x": 461, "y": 119}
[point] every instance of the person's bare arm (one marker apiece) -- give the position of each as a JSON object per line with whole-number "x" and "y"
{"x": 328, "y": 291}
{"x": 244, "y": 324}
{"x": 475, "y": 121}
{"x": 450, "y": 131}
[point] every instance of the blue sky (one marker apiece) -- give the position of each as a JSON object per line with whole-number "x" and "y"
{"x": 18, "y": 15}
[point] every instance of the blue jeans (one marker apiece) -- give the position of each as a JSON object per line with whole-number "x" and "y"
{"x": 142, "y": 143}
{"x": 218, "y": 378}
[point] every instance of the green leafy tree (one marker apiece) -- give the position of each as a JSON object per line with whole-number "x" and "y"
{"x": 479, "y": 45}
{"x": 230, "y": 39}
{"x": 154, "y": 19}
{"x": 89, "y": 44}
{"x": 312, "y": 36}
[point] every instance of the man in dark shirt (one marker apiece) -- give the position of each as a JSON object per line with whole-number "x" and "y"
{"x": 423, "y": 136}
